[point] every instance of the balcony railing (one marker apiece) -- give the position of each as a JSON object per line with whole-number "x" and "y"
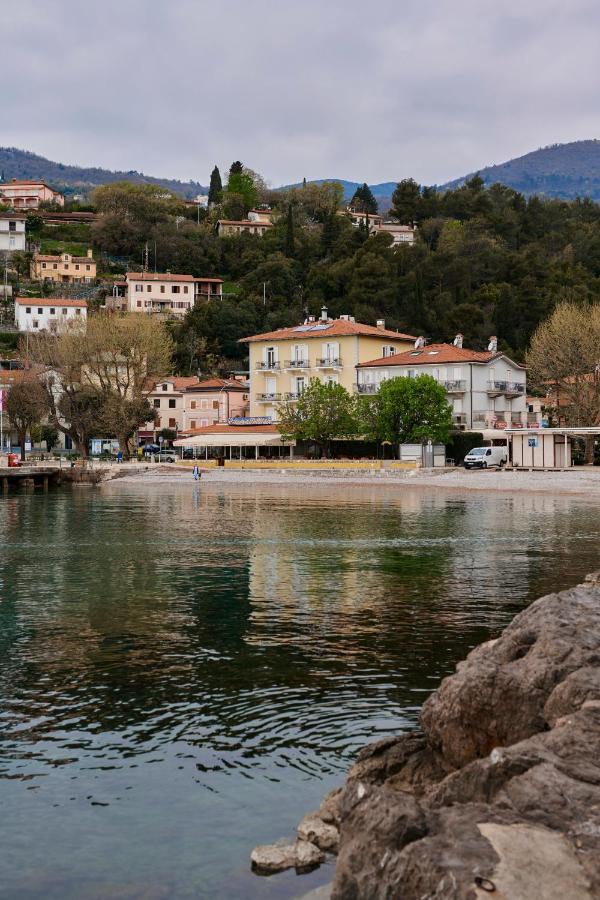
{"x": 329, "y": 362}
{"x": 293, "y": 395}
{"x": 455, "y": 387}
{"x": 269, "y": 365}
{"x": 297, "y": 364}
{"x": 268, "y": 397}
{"x": 367, "y": 388}
{"x": 506, "y": 387}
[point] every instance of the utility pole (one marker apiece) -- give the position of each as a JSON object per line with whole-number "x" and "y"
{"x": 264, "y": 293}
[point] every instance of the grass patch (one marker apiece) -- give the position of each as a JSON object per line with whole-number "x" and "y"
{"x": 55, "y": 248}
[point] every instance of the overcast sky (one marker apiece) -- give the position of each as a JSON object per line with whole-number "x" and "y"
{"x": 373, "y": 91}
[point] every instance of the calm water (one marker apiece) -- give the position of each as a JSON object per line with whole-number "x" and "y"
{"x": 186, "y": 669}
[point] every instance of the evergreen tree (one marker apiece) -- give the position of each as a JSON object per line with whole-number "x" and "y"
{"x": 363, "y": 200}
{"x": 215, "y": 191}
{"x": 406, "y": 201}
{"x": 290, "y": 243}
{"x": 236, "y": 168}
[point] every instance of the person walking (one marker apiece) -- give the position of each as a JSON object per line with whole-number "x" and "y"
{"x": 196, "y": 473}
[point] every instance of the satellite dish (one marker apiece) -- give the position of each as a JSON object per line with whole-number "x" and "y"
{"x": 419, "y": 343}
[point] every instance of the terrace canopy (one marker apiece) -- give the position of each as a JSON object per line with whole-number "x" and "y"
{"x": 235, "y": 433}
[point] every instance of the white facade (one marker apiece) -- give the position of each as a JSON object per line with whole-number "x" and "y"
{"x": 402, "y": 235}
{"x": 12, "y": 233}
{"x": 484, "y": 394}
{"x": 160, "y": 293}
{"x": 44, "y": 314}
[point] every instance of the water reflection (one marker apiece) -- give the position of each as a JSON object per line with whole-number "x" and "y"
{"x": 185, "y": 669}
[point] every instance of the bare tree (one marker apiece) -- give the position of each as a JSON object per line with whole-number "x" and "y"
{"x": 564, "y": 361}
{"x": 26, "y": 406}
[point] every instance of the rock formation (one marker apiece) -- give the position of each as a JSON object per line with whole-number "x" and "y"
{"x": 500, "y": 790}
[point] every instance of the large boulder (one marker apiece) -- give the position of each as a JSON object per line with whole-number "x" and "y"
{"x": 499, "y": 792}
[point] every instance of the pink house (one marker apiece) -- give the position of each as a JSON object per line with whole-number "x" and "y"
{"x": 28, "y": 194}
{"x": 186, "y": 403}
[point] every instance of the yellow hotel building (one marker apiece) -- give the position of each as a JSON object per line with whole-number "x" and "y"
{"x": 282, "y": 362}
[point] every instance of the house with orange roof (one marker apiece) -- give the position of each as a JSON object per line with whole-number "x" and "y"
{"x": 49, "y": 313}
{"x": 282, "y": 362}
{"x": 187, "y": 403}
{"x": 64, "y": 268}
{"x": 486, "y": 389}
{"x": 169, "y": 293}
{"x": 28, "y": 194}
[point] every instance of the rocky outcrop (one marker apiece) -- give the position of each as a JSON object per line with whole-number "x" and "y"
{"x": 499, "y": 792}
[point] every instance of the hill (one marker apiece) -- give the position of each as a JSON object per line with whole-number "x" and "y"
{"x": 564, "y": 171}
{"x": 16, "y": 163}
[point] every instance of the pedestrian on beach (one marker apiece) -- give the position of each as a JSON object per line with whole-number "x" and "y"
{"x": 196, "y": 473}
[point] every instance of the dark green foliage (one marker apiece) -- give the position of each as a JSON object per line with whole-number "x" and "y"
{"x": 363, "y": 200}
{"x": 215, "y": 190}
{"x": 412, "y": 410}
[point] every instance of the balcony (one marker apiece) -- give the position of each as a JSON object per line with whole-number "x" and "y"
{"x": 508, "y": 388}
{"x": 268, "y": 398}
{"x": 293, "y": 395}
{"x": 459, "y": 420}
{"x": 297, "y": 364}
{"x": 455, "y": 387}
{"x": 270, "y": 365}
{"x": 367, "y": 388}
{"x": 327, "y": 362}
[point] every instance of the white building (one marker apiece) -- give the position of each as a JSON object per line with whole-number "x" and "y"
{"x": 402, "y": 235}
{"x": 169, "y": 293}
{"x": 49, "y": 313}
{"x": 486, "y": 390}
{"x": 12, "y": 232}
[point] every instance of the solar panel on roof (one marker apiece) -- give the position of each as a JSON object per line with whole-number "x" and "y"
{"x": 303, "y": 328}
{"x": 319, "y": 327}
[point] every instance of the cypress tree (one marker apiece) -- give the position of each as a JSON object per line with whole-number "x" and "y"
{"x": 215, "y": 191}
{"x": 236, "y": 168}
{"x": 290, "y": 243}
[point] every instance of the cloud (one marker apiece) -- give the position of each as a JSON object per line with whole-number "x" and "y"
{"x": 336, "y": 88}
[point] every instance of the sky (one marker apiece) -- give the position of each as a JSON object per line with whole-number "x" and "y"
{"x": 364, "y": 91}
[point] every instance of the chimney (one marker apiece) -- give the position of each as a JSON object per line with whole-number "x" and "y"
{"x": 324, "y": 316}
{"x": 493, "y": 344}
{"x": 381, "y": 323}
{"x": 458, "y": 341}
{"x": 90, "y": 254}
{"x": 419, "y": 343}
{"x": 311, "y": 318}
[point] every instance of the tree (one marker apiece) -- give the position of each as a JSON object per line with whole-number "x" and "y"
{"x": 290, "y": 244}
{"x": 100, "y": 375}
{"x": 413, "y": 410}
{"x": 324, "y": 411}
{"x": 215, "y": 190}
{"x": 363, "y": 200}
{"x": 406, "y": 201}
{"x": 26, "y": 406}
{"x": 564, "y": 362}
{"x": 236, "y": 168}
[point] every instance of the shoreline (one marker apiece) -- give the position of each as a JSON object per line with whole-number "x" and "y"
{"x": 574, "y": 482}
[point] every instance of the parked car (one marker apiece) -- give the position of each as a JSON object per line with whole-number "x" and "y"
{"x": 484, "y": 457}
{"x": 165, "y": 456}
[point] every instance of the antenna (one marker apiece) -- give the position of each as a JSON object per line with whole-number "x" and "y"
{"x": 145, "y": 264}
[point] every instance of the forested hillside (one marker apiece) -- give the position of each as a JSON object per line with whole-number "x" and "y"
{"x": 487, "y": 261}
{"x": 562, "y": 170}
{"x": 16, "y": 163}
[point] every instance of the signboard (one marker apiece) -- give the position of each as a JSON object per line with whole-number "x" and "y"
{"x": 27, "y": 446}
{"x": 532, "y": 441}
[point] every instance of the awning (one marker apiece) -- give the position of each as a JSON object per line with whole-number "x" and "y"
{"x": 214, "y": 439}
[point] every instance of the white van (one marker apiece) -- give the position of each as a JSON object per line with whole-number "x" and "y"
{"x": 484, "y": 457}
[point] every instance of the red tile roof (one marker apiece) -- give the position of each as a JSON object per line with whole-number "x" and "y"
{"x": 431, "y": 354}
{"x": 57, "y": 258}
{"x": 217, "y": 384}
{"x": 50, "y": 301}
{"x": 158, "y": 276}
{"x": 331, "y": 328}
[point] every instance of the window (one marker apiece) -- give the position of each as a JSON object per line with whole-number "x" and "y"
{"x": 87, "y": 268}
{"x": 162, "y": 288}
{"x": 172, "y": 403}
{"x": 12, "y": 226}
{"x": 40, "y": 311}
{"x": 165, "y": 387}
{"x": 139, "y": 303}
{"x": 157, "y": 403}
{"x": 55, "y": 265}
{"x": 215, "y": 404}
{"x": 185, "y": 289}
{"x": 193, "y": 423}
{"x": 158, "y": 423}
{"x": 77, "y": 312}
{"x": 28, "y": 310}
{"x": 52, "y": 311}
{"x": 139, "y": 287}
{"x": 203, "y": 423}
{"x": 43, "y": 265}
{"x": 172, "y": 423}
{"x": 388, "y": 350}
{"x": 193, "y": 404}
{"x": 271, "y": 356}
{"x": 66, "y": 265}
{"x": 204, "y": 404}
{"x": 64, "y": 311}
{"x": 35, "y": 323}
{"x": 148, "y": 288}
{"x": 76, "y": 267}
{"x": 175, "y": 289}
